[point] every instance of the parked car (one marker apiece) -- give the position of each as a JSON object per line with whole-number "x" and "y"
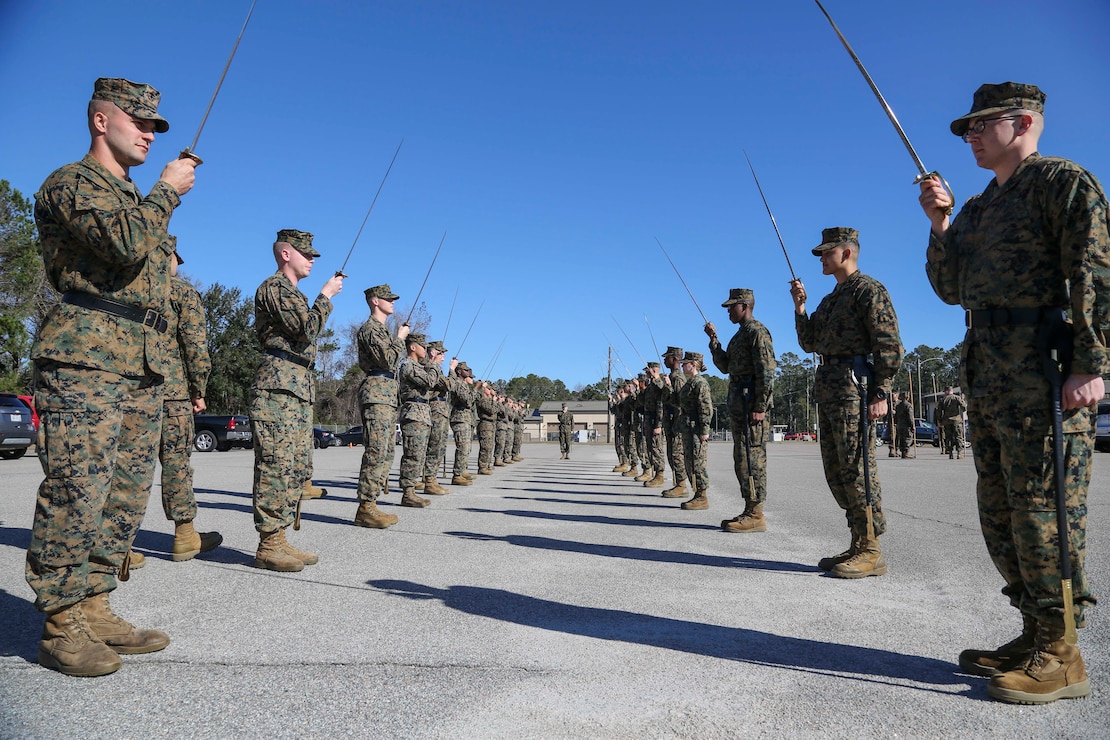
{"x": 322, "y": 438}
{"x": 215, "y": 432}
{"x": 802, "y": 436}
{"x": 1102, "y": 427}
{"x": 30, "y": 401}
{"x": 925, "y": 432}
{"x": 17, "y": 431}
{"x": 352, "y": 436}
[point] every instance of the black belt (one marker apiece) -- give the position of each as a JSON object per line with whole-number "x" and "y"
{"x": 978, "y": 318}
{"x": 144, "y": 316}
{"x": 440, "y": 398}
{"x": 829, "y": 360}
{"x": 382, "y": 374}
{"x": 416, "y": 400}
{"x": 289, "y": 357}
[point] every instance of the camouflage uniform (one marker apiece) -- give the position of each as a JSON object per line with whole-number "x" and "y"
{"x": 440, "y": 415}
{"x": 673, "y": 423}
{"x": 518, "y": 432}
{"x": 379, "y": 354}
{"x": 950, "y": 413}
{"x": 501, "y": 440}
{"x": 618, "y": 436}
{"x": 98, "y": 376}
{"x": 1051, "y": 218}
{"x": 855, "y": 320}
{"x": 903, "y": 424}
{"x": 696, "y": 403}
{"x": 461, "y": 397}
{"x": 566, "y": 428}
{"x": 628, "y": 422}
{"x": 282, "y": 394}
{"x": 749, "y": 362}
{"x": 487, "y": 429}
{"x": 653, "y": 419}
{"x": 186, "y": 379}
{"x": 419, "y": 383}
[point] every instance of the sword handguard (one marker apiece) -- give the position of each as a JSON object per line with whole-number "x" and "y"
{"x": 340, "y": 273}
{"x": 186, "y": 154}
{"x": 934, "y": 175}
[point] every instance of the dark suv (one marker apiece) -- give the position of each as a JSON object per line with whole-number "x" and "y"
{"x": 213, "y": 432}
{"x": 17, "y": 432}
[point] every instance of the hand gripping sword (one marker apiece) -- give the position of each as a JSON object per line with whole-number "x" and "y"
{"x": 187, "y": 152}
{"x": 339, "y": 272}
{"x": 684, "y": 285}
{"x": 793, "y": 277}
{"x": 923, "y": 173}
{"x": 428, "y": 274}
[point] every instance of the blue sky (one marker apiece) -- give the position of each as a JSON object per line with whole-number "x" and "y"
{"x": 553, "y": 142}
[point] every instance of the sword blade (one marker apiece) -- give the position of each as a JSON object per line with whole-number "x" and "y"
{"x": 773, "y": 223}
{"x": 420, "y": 292}
{"x": 652, "y": 335}
{"x": 370, "y": 209}
{"x": 467, "y": 335}
{"x": 630, "y": 344}
{"x": 189, "y": 150}
{"x": 684, "y": 285}
{"x": 450, "y": 314}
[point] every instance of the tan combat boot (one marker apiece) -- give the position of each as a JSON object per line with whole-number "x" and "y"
{"x": 827, "y": 564}
{"x": 658, "y": 481}
{"x": 467, "y": 474}
{"x": 369, "y": 515}
{"x": 1003, "y": 658}
{"x": 868, "y": 560}
{"x": 69, "y": 646}
{"x": 272, "y": 556}
{"x": 631, "y": 472}
{"x": 517, "y": 458}
{"x": 459, "y": 480}
{"x": 1054, "y": 670}
{"x": 485, "y": 471}
{"x": 136, "y": 560}
{"x": 498, "y": 464}
{"x": 310, "y": 491}
{"x": 620, "y": 468}
{"x": 677, "y": 491}
{"x": 433, "y": 488}
{"x": 308, "y": 558}
{"x": 752, "y": 520}
{"x": 188, "y": 543}
{"x": 418, "y": 486}
{"x": 410, "y": 499}
{"x": 699, "y": 502}
{"x": 116, "y": 632}
{"x": 648, "y": 474}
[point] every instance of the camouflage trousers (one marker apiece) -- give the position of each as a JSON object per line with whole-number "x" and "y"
{"x": 654, "y": 446}
{"x": 564, "y": 441}
{"x": 631, "y": 455}
{"x": 952, "y": 432}
{"x": 638, "y": 442}
{"x": 282, "y": 427}
{"x": 745, "y": 437}
{"x": 487, "y": 433}
{"x": 97, "y": 443}
{"x": 676, "y": 452}
{"x": 697, "y": 458}
{"x": 906, "y": 437}
{"x": 1012, "y": 441}
{"x": 437, "y": 445}
{"x": 499, "y": 442}
{"x": 178, "y": 500}
{"x": 618, "y": 443}
{"x": 379, "y": 447}
{"x": 463, "y": 434}
{"x": 842, "y": 457}
{"x": 414, "y": 451}
{"x": 518, "y": 439}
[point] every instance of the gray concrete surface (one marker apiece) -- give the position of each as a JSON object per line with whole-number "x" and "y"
{"x": 554, "y": 599}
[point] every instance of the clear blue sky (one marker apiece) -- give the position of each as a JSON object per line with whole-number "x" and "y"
{"x": 553, "y": 142}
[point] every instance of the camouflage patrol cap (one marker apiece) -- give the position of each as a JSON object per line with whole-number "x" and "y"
{"x": 299, "y": 240}
{"x": 177, "y": 255}
{"x": 997, "y": 98}
{"x": 653, "y": 365}
{"x": 673, "y": 352}
{"x": 417, "y": 339}
{"x": 462, "y": 367}
{"x": 134, "y": 98}
{"x": 738, "y": 295}
{"x": 642, "y": 376}
{"x": 834, "y": 237}
{"x": 382, "y": 291}
{"x": 697, "y": 358}
{"x": 437, "y": 346}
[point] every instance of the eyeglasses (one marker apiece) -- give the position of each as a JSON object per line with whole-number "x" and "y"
{"x": 981, "y": 125}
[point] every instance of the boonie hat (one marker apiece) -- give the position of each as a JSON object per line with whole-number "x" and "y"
{"x": 135, "y": 98}
{"x": 996, "y": 98}
{"x": 834, "y": 237}
{"x": 299, "y": 240}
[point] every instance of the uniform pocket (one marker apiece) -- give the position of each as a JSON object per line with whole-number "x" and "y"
{"x": 63, "y": 437}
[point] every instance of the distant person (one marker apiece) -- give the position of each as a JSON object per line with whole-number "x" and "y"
{"x": 1029, "y": 261}
{"x": 696, "y": 401}
{"x": 566, "y": 428}
{"x": 462, "y": 395}
{"x": 440, "y": 415}
{"x": 950, "y": 412}
{"x": 904, "y": 425}
{"x": 673, "y": 421}
{"x": 855, "y": 330}
{"x": 98, "y": 359}
{"x": 282, "y": 394}
{"x": 418, "y": 384}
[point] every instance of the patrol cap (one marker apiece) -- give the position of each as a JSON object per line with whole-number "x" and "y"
{"x": 462, "y": 367}
{"x": 834, "y": 237}
{"x": 642, "y": 376}
{"x": 738, "y": 295}
{"x": 695, "y": 357}
{"x": 437, "y": 346}
{"x": 382, "y": 291}
{"x": 135, "y": 98}
{"x": 996, "y": 98}
{"x": 180, "y": 259}
{"x": 673, "y": 352}
{"x": 653, "y": 365}
{"x": 299, "y": 240}
{"x": 417, "y": 339}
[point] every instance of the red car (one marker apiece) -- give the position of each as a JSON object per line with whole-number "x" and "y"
{"x": 30, "y": 401}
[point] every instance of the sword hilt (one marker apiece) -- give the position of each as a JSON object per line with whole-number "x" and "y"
{"x": 187, "y": 154}
{"x": 934, "y": 175}
{"x": 340, "y": 273}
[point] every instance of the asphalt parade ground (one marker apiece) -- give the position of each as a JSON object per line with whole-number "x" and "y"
{"x": 555, "y": 599}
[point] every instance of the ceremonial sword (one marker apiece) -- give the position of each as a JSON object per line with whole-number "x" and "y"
{"x": 339, "y": 272}
{"x": 187, "y": 152}
{"x": 465, "y": 336}
{"x": 426, "y": 276}
{"x": 650, "y": 334}
{"x": 630, "y": 344}
{"x": 793, "y": 277}
{"x": 923, "y": 173}
{"x": 684, "y": 285}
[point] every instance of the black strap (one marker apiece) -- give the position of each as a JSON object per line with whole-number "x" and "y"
{"x": 415, "y": 400}
{"x": 838, "y": 360}
{"x": 144, "y": 316}
{"x": 985, "y": 317}
{"x": 382, "y": 374}
{"x": 289, "y": 357}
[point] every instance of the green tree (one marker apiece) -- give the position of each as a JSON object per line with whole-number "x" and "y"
{"x": 793, "y": 395}
{"x": 25, "y": 293}
{"x": 234, "y": 349}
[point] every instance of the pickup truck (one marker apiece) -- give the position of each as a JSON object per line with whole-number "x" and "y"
{"x": 214, "y": 432}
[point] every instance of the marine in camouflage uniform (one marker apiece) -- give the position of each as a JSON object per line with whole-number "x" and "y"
{"x": 99, "y": 360}
{"x": 696, "y": 403}
{"x": 653, "y": 426}
{"x": 852, "y": 324}
{"x": 461, "y": 396}
{"x": 618, "y": 430}
{"x": 628, "y": 417}
{"x": 486, "y": 405}
{"x": 903, "y": 425}
{"x": 639, "y": 439}
{"x": 440, "y": 414}
{"x": 502, "y": 433}
{"x": 749, "y": 362}
{"x": 566, "y": 428}
{"x": 185, "y": 383}
{"x": 673, "y": 421}
{"x": 518, "y": 431}
{"x": 379, "y": 354}
{"x": 1049, "y": 217}
{"x": 282, "y": 394}
{"x": 950, "y": 413}
{"x": 419, "y": 383}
